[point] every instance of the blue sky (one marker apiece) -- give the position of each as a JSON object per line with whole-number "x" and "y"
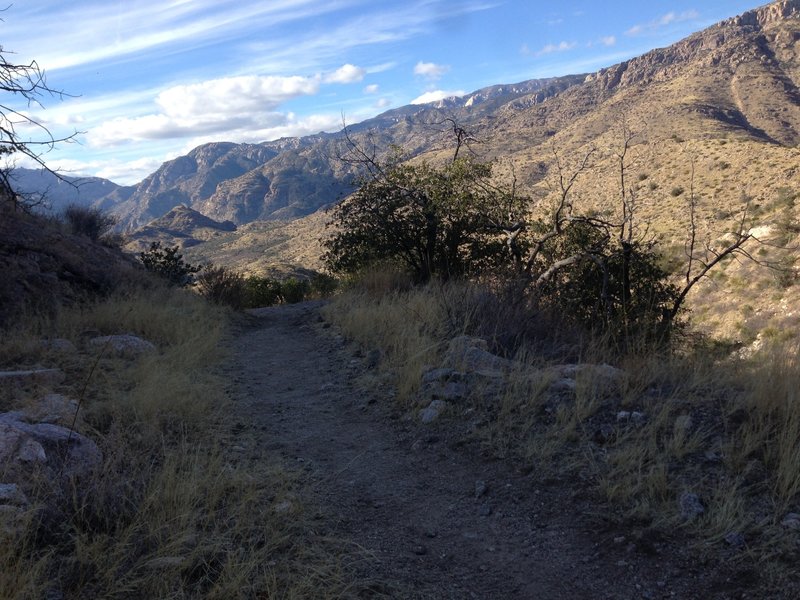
{"x": 152, "y": 79}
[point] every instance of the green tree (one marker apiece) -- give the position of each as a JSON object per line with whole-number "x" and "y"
{"x": 435, "y": 221}
{"x": 168, "y": 263}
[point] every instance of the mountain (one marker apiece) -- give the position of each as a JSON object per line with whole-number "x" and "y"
{"x": 180, "y": 226}
{"x": 57, "y": 191}
{"x": 714, "y": 117}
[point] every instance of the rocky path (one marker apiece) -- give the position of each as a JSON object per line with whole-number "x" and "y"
{"x": 434, "y": 519}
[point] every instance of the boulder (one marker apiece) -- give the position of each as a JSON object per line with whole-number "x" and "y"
{"x": 59, "y": 346}
{"x": 11, "y": 494}
{"x": 24, "y": 444}
{"x": 52, "y": 408}
{"x": 470, "y": 354}
{"x": 122, "y": 346}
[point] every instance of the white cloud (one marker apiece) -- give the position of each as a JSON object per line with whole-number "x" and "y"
{"x": 664, "y": 20}
{"x": 383, "y": 103}
{"x": 214, "y": 106}
{"x": 430, "y": 70}
{"x": 372, "y": 88}
{"x": 560, "y": 47}
{"x": 436, "y": 95}
{"x": 609, "y": 40}
{"x": 346, "y": 74}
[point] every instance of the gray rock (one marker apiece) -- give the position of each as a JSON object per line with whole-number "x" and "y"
{"x": 52, "y": 408}
{"x": 734, "y": 539}
{"x": 452, "y": 391}
{"x": 791, "y": 521}
{"x": 691, "y": 506}
{"x": 485, "y": 510}
{"x": 471, "y": 354}
{"x": 123, "y": 346}
{"x": 626, "y": 416}
{"x": 440, "y": 375}
{"x": 480, "y": 488}
{"x": 432, "y": 411}
{"x": 11, "y": 494}
{"x": 23, "y": 443}
{"x": 604, "y": 379}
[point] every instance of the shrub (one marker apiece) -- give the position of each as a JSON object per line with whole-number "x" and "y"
{"x": 90, "y": 222}
{"x": 169, "y": 264}
{"x": 294, "y": 290}
{"x": 261, "y": 291}
{"x": 676, "y": 191}
{"x": 220, "y": 285}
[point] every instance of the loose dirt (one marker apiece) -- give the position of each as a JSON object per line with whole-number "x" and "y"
{"x": 426, "y": 512}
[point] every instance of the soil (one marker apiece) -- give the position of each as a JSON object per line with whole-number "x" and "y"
{"x": 428, "y": 513}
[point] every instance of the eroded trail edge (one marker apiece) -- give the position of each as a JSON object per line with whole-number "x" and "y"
{"x": 427, "y": 515}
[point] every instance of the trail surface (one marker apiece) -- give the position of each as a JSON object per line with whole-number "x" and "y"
{"x": 434, "y": 518}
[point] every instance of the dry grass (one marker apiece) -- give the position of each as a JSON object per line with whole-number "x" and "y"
{"x": 172, "y": 513}
{"x": 713, "y": 424}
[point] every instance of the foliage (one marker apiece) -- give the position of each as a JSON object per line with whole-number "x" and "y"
{"x": 167, "y": 262}
{"x": 262, "y": 291}
{"x": 221, "y": 285}
{"x": 88, "y": 221}
{"x": 434, "y": 221}
{"x": 294, "y": 290}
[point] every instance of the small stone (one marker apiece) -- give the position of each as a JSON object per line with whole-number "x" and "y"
{"x": 735, "y": 539}
{"x": 691, "y": 506}
{"x": 373, "y": 359}
{"x": 485, "y": 510}
{"x": 791, "y": 521}
{"x": 420, "y": 550}
{"x": 11, "y": 494}
{"x": 683, "y": 423}
{"x": 480, "y": 488}
{"x": 619, "y": 539}
{"x": 432, "y": 411}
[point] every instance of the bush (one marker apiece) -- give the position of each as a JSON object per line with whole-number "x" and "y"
{"x": 169, "y": 264}
{"x": 220, "y": 285}
{"x": 90, "y": 222}
{"x": 262, "y": 291}
{"x": 295, "y": 290}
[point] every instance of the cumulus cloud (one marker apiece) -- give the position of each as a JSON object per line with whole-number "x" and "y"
{"x": 346, "y": 74}
{"x": 667, "y": 19}
{"x": 609, "y": 40}
{"x": 436, "y": 95}
{"x": 214, "y": 106}
{"x": 383, "y": 103}
{"x": 430, "y": 70}
{"x": 373, "y": 88}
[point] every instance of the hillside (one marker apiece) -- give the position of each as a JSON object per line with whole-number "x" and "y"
{"x": 54, "y": 192}
{"x": 180, "y": 226}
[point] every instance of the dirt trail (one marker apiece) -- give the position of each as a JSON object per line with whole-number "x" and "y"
{"x": 407, "y": 495}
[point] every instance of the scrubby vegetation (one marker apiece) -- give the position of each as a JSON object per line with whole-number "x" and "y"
{"x": 172, "y": 512}
{"x": 660, "y": 426}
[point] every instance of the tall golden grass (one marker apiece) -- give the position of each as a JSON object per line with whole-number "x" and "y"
{"x": 715, "y": 424}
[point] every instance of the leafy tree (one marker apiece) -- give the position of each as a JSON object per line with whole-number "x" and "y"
{"x": 169, "y": 264}
{"x": 436, "y": 221}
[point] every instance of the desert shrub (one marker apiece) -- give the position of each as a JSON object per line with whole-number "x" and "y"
{"x": 87, "y": 221}
{"x": 221, "y": 285}
{"x": 676, "y": 191}
{"x": 323, "y": 285}
{"x": 295, "y": 290}
{"x": 168, "y": 263}
{"x": 261, "y": 291}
